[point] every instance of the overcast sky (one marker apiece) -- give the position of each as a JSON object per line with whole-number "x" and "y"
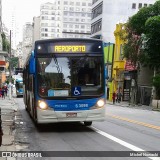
{"x": 24, "y": 11}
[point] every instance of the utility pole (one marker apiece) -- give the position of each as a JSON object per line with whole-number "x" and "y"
{"x": 10, "y": 78}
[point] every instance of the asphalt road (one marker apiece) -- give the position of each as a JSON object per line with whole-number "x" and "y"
{"x": 125, "y": 129}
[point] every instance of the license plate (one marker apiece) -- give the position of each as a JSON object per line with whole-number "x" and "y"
{"x": 71, "y": 115}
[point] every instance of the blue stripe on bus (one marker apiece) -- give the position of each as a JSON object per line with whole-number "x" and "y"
{"x": 71, "y": 105}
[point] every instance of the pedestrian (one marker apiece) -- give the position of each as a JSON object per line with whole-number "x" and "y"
{"x": 114, "y": 97}
{"x": 3, "y": 93}
{"x": 6, "y": 89}
{"x": 120, "y": 96}
{"x": 117, "y": 97}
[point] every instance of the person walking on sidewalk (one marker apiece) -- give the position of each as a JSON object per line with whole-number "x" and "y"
{"x": 114, "y": 97}
{"x": 5, "y": 89}
{"x": 3, "y": 93}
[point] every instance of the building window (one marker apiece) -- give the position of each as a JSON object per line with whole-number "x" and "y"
{"x": 44, "y": 17}
{"x": 94, "y": 1}
{"x": 133, "y": 5}
{"x": 76, "y": 26}
{"x": 96, "y": 27}
{"x": 140, "y": 5}
{"x": 88, "y": 26}
{"x": 65, "y": 13}
{"x": 65, "y": 2}
{"x": 82, "y": 26}
{"x": 77, "y": 9}
{"x": 77, "y": 14}
{"x": 65, "y": 25}
{"x": 83, "y": 4}
{"x": 77, "y": 3}
{"x": 145, "y": 4}
{"x": 89, "y": 14}
{"x": 71, "y": 14}
{"x": 71, "y": 8}
{"x": 71, "y": 19}
{"x": 97, "y": 10}
{"x": 71, "y": 3}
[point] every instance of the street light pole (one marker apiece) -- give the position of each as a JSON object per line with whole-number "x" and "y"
{"x": 10, "y": 81}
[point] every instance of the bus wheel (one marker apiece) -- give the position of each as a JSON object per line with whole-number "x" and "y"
{"x": 88, "y": 123}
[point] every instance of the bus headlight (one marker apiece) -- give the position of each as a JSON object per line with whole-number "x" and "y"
{"x": 42, "y": 105}
{"x": 100, "y": 103}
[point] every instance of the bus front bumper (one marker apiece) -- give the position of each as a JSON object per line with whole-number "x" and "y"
{"x": 51, "y": 116}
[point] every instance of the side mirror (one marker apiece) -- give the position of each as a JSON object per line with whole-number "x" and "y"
{"x": 32, "y": 63}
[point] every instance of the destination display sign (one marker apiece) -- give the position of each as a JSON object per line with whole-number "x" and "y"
{"x": 70, "y": 46}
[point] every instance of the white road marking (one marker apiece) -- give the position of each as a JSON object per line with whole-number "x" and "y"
{"x": 123, "y": 143}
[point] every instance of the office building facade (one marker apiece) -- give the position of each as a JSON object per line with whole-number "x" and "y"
{"x": 65, "y": 18}
{"x": 106, "y": 14}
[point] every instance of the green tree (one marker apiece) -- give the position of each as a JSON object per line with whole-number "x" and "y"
{"x": 5, "y": 43}
{"x": 152, "y": 49}
{"x": 143, "y": 39}
{"x": 14, "y": 62}
{"x": 156, "y": 83}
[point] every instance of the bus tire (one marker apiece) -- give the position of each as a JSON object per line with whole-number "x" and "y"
{"x": 87, "y": 123}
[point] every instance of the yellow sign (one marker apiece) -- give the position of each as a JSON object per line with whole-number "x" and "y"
{"x": 70, "y": 48}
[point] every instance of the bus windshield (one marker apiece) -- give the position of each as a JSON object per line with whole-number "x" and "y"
{"x": 62, "y": 76}
{"x": 19, "y": 85}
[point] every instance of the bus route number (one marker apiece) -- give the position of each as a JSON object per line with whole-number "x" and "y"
{"x": 81, "y": 105}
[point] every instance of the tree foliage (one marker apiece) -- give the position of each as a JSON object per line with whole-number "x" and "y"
{"x": 14, "y": 62}
{"x": 143, "y": 38}
{"x": 5, "y": 43}
{"x": 143, "y": 30}
{"x": 152, "y": 50}
{"x": 156, "y": 83}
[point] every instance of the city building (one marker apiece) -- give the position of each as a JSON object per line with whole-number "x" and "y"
{"x": 106, "y": 14}
{"x": 3, "y": 54}
{"x": 13, "y": 30}
{"x": 27, "y": 40}
{"x": 36, "y": 28}
{"x": 0, "y": 25}
{"x": 65, "y": 18}
{"x": 19, "y": 54}
{"x": 131, "y": 81}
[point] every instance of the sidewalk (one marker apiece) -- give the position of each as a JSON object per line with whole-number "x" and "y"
{"x": 8, "y": 112}
{"x": 126, "y": 104}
